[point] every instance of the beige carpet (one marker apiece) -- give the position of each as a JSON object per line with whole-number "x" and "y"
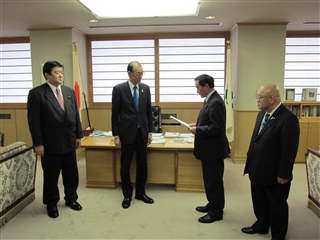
{"x": 171, "y": 217}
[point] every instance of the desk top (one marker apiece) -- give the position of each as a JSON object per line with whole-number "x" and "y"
{"x": 108, "y": 142}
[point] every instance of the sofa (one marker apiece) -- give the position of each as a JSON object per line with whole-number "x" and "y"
{"x": 313, "y": 178}
{"x": 17, "y": 179}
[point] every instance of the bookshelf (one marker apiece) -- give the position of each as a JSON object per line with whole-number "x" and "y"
{"x": 304, "y": 109}
{"x": 308, "y": 113}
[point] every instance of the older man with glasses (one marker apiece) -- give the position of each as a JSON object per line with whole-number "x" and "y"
{"x": 270, "y": 160}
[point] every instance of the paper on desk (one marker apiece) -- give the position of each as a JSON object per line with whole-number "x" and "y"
{"x": 171, "y": 134}
{"x": 182, "y": 122}
{"x": 158, "y": 141}
{"x": 186, "y": 135}
{"x": 156, "y": 134}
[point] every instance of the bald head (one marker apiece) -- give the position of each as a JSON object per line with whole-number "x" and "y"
{"x": 268, "y": 97}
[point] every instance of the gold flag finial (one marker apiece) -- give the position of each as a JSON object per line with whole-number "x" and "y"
{"x": 75, "y": 47}
{"x": 229, "y": 44}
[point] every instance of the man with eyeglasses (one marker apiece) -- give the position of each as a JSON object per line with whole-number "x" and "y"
{"x": 132, "y": 128}
{"x": 270, "y": 160}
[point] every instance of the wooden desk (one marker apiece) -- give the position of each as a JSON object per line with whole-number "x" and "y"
{"x": 168, "y": 163}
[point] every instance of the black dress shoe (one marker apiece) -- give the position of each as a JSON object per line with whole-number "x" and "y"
{"x": 203, "y": 209}
{"x": 250, "y": 230}
{"x": 74, "y": 205}
{"x": 52, "y": 211}
{"x": 209, "y": 219}
{"x": 126, "y": 202}
{"x": 145, "y": 198}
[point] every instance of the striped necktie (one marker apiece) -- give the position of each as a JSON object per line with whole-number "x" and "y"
{"x": 265, "y": 120}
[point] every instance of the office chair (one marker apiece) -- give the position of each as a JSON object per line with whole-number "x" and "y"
{"x": 1, "y": 139}
{"x": 156, "y": 115}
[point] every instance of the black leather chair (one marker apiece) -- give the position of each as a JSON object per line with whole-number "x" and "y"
{"x": 156, "y": 115}
{"x": 1, "y": 139}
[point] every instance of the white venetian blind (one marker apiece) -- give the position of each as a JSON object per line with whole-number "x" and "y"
{"x": 110, "y": 59}
{"x": 15, "y": 72}
{"x": 302, "y": 65}
{"x": 182, "y": 60}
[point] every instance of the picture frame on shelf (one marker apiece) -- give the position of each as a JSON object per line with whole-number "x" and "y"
{"x": 309, "y": 94}
{"x": 290, "y": 94}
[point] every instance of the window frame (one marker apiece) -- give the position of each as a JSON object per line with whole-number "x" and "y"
{"x": 156, "y": 37}
{"x": 298, "y": 34}
{"x": 9, "y": 41}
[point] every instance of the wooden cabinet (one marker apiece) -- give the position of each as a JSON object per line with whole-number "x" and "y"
{"x": 309, "y": 118}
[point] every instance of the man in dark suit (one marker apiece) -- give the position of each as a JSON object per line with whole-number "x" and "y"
{"x": 211, "y": 147}
{"x": 270, "y": 160}
{"x": 56, "y": 133}
{"x": 132, "y": 128}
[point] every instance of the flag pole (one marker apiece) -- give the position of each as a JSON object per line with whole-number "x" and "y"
{"x": 85, "y": 102}
{"x": 75, "y": 50}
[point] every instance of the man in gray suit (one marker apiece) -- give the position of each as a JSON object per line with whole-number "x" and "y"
{"x": 211, "y": 147}
{"x": 56, "y": 133}
{"x": 270, "y": 160}
{"x": 132, "y": 128}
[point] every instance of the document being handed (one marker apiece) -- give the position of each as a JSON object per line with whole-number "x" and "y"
{"x": 182, "y": 122}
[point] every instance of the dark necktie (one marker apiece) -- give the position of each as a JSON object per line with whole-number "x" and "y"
{"x": 136, "y": 97}
{"x": 265, "y": 120}
{"x": 60, "y": 99}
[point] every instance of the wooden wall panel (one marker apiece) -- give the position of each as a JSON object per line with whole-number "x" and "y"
{"x": 8, "y": 127}
{"x": 244, "y": 124}
{"x": 23, "y": 133}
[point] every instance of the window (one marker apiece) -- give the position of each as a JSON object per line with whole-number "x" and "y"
{"x": 302, "y": 64}
{"x": 170, "y": 65}
{"x": 182, "y": 60}
{"x": 15, "y": 72}
{"x": 110, "y": 59}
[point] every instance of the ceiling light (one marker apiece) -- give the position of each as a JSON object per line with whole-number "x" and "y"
{"x": 92, "y": 20}
{"x": 142, "y": 8}
{"x": 210, "y": 17}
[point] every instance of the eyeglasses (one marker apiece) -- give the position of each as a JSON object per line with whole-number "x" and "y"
{"x": 261, "y": 97}
{"x": 138, "y": 74}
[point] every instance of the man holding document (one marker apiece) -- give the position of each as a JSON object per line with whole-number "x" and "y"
{"x": 211, "y": 147}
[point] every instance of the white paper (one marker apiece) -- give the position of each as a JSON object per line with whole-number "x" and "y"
{"x": 182, "y": 122}
{"x": 171, "y": 134}
{"x": 158, "y": 141}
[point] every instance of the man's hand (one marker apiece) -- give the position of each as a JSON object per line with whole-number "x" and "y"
{"x": 282, "y": 180}
{"x": 78, "y": 143}
{"x": 193, "y": 128}
{"x": 117, "y": 142}
{"x": 149, "y": 139}
{"x": 39, "y": 150}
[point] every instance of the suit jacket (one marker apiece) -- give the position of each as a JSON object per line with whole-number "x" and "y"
{"x": 210, "y": 143}
{"x": 272, "y": 152}
{"x": 125, "y": 116}
{"x": 49, "y": 124}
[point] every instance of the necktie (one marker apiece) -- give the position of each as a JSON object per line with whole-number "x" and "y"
{"x": 265, "y": 120}
{"x": 204, "y": 103}
{"x": 135, "y": 97}
{"x": 60, "y": 99}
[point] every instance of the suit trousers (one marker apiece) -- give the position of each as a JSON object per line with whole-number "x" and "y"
{"x": 52, "y": 165}
{"x": 213, "y": 182}
{"x": 127, "y": 150}
{"x": 271, "y": 208}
